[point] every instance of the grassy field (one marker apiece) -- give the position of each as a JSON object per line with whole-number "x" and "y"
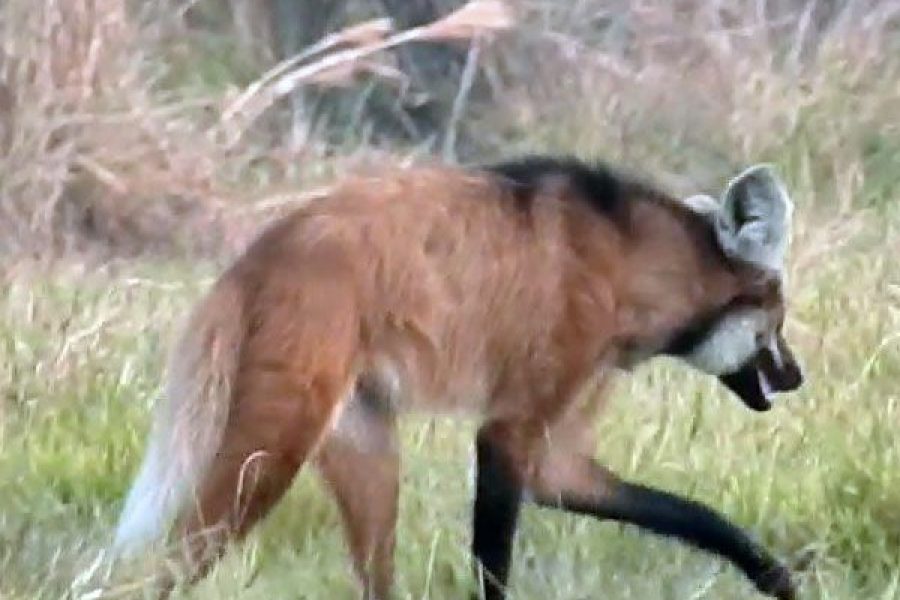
{"x": 695, "y": 93}
{"x": 80, "y": 364}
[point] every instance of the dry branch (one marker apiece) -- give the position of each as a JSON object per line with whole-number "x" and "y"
{"x": 477, "y": 18}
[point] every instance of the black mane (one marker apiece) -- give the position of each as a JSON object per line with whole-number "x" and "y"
{"x": 601, "y": 187}
{"x": 608, "y": 192}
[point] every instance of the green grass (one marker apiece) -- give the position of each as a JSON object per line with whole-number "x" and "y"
{"x": 80, "y": 363}
{"x": 81, "y": 351}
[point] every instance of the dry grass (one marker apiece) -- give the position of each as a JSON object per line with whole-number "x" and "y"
{"x": 104, "y": 140}
{"x": 90, "y": 140}
{"x": 693, "y": 89}
{"x": 97, "y": 149}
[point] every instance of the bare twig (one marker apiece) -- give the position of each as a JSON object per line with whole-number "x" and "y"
{"x": 459, "y": 102}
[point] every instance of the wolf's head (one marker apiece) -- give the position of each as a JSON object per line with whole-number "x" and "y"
{"x": 742, "y": 343}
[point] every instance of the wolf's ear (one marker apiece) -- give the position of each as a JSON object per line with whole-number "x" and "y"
{"x": 754, "y": 221}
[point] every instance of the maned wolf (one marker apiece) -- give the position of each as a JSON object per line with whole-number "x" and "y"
{"x": 513, "y": 293}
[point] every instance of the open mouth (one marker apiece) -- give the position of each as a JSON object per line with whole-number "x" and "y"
{"x": 760, "y": 380}
{"x": 752, "y": 385}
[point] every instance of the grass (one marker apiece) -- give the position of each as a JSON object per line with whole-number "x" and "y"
{"x": 80, "y": 363}
{"x": 81, "y": 349}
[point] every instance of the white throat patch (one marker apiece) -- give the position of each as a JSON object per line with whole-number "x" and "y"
{"x": 732, "y": 342}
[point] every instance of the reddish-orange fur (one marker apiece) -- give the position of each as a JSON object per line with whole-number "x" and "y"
{"x": 431, "y": 289}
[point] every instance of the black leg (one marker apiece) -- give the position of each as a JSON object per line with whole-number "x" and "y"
{"x": 667, "y": 514}
{"x": 497, "y": 501}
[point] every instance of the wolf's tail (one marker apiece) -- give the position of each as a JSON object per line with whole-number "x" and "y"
{"x": 188, "y": 421}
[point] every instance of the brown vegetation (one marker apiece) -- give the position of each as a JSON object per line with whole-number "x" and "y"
{"x": 105, "y": 147}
